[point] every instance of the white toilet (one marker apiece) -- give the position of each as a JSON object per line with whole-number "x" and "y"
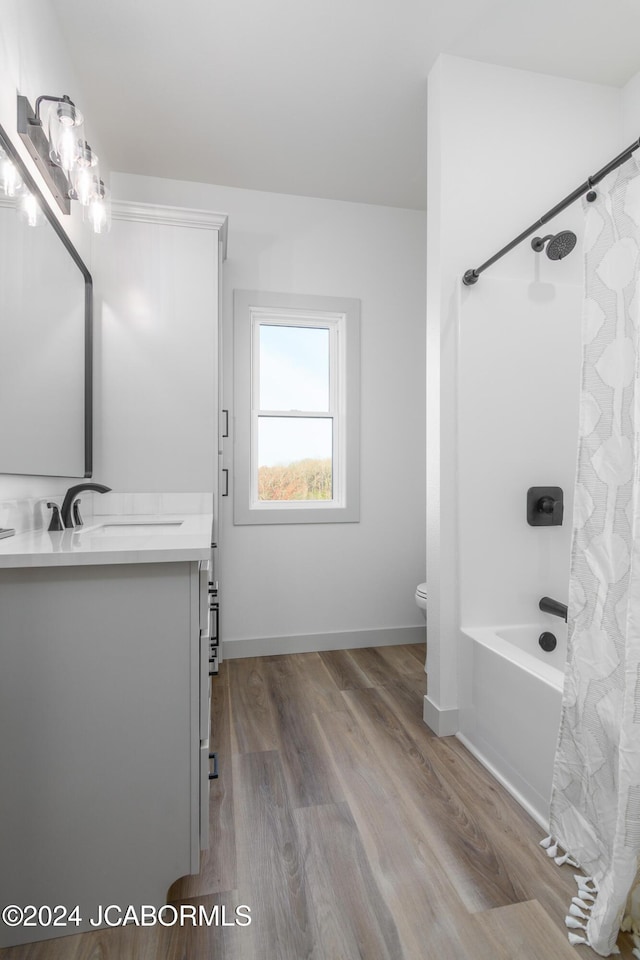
{"x": 421, "y": 598}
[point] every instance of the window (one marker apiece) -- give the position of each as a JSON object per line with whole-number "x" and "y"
{"x": 297, "y": 408}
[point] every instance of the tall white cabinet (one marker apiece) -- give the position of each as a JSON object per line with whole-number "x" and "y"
{"x": 158, "y": 423}
{"x": 157, "y": 281}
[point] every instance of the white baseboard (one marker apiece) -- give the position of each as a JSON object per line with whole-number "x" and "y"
{"x": 313, "y": 642}
{"x": 444, "y": 723}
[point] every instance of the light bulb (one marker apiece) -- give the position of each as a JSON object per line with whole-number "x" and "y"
{"x": 86, "y": 177}
{"x": 99, "y": 210}
{"x": 83, "y": 186}
{"x": 98, "y": 216}
{"x": 67, "y": 148}
{"x": 66, "y": 137}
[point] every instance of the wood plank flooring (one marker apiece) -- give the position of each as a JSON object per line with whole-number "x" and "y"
{"x": 351, "y": 832}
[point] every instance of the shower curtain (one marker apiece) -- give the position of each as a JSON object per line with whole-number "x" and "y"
{"x": 595, "y": 802}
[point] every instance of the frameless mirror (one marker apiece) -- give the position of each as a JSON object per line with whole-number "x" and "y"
{"x": 46, "y": 301}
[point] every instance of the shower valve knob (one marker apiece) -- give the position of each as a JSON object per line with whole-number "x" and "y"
{"x": 545, "y": 506}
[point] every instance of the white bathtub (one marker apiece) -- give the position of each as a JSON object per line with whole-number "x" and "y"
{"x": 511, "y": 695}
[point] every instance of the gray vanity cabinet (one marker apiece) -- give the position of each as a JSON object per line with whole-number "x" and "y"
{"x": 103, "y": 749}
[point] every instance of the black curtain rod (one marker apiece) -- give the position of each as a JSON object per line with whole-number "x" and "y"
{"x": 471, "y": 276}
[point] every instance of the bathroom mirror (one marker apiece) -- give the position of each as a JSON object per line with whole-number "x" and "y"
{"x": 46, "y": 302}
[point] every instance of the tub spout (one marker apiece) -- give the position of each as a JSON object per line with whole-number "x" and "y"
{"x": 554, "y": 607}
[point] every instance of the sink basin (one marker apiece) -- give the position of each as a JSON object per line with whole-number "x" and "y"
{"x": 116, "y": 528}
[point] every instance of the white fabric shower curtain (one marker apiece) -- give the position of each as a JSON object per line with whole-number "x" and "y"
{"x": 595, "y": 802}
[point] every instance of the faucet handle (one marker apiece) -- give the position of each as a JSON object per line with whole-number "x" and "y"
{"x": 56, "y": 522}
{"x": 77, "y": 519}
{"x": 545, "y": 506}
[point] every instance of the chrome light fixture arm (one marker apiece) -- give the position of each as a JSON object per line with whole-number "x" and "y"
{"x": 64, "y": 99}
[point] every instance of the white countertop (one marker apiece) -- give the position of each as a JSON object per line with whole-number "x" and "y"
{"x": 142, "y": 538}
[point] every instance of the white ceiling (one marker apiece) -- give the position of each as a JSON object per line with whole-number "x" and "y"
{"x": 324, "y": 98}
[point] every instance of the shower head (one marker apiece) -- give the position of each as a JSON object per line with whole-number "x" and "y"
{"x": 560, "y": 245}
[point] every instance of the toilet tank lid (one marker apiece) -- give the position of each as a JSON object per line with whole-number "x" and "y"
{"x": 422, "y": 589}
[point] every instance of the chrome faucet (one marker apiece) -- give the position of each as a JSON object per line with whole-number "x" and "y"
{"x": 69, "y": 497}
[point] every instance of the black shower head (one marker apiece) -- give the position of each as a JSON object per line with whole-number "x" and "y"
{"x": 560, "y": 245}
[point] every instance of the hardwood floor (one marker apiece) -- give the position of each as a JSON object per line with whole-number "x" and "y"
{"x": 350, "y": 831}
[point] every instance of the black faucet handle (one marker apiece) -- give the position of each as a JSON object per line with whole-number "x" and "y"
{"x": 77, "y": 519}
{"x": 56, "y": 522}
{"x": 551, "y": 507}
{"x": 545, "y": 506}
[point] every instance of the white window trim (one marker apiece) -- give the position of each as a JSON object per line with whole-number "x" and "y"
{"x": 342, "y": 318}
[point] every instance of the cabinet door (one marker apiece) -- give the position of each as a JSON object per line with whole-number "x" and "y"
{"x": 159, "y": 352}
{"x": 96, "y": 690}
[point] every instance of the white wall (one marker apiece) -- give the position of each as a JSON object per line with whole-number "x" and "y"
{"x": 329, "y": 578}
{"x": 505, "y": 146}
{"x": 631, "y": 111}
{"x": 34, "y": 61}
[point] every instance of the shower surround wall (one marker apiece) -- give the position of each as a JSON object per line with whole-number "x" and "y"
{"x": 519, "y": 369}
{"x": 518, "y": 424}
{"x": 505, "y": 146}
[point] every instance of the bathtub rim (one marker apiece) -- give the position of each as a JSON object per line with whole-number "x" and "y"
{"x": 489, "y": 638}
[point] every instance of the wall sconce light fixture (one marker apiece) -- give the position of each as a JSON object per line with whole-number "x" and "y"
{"x": 64, "y": 158}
